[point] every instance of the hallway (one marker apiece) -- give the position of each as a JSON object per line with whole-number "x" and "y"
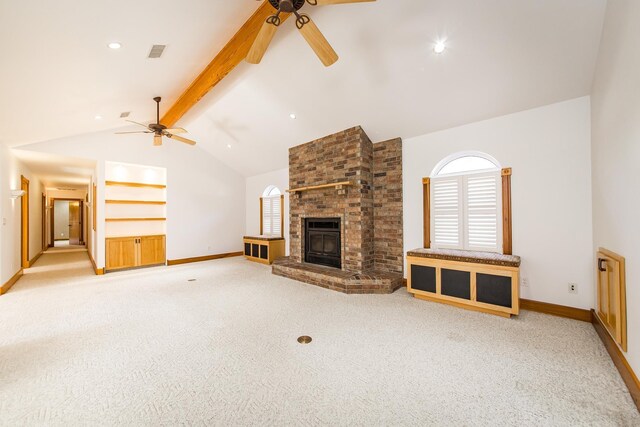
{"x": 57, "y": 266}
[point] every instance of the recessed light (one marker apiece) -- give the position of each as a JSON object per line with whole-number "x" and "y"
{"x": 114, "y": 45}
{"x": 228, "y": 145}
{"x": 293, "y": 116}
{"x": 98, "y": 117}
{"x": 439, "y": 47}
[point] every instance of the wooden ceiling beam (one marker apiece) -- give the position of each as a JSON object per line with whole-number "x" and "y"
{"x": 234, "y": 52}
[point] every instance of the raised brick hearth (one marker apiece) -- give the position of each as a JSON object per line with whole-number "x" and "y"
{"x": 369, "y": 209}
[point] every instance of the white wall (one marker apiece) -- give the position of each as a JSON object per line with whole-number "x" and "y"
{"x": 549, "y": 151}
{"x": 205, "y": 198}
{"x": 616, "y": 152}
{"x": 255, "y": 186}
{"x": 10, "y": 171}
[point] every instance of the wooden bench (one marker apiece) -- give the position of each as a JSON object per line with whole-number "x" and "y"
{"x": 263, "y": 249}
{"x": 480, "y": 281}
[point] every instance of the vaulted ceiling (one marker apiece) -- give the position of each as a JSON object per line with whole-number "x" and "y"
{"x": 502, "y": 56}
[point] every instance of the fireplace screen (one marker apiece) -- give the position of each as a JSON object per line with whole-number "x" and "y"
{"x": 322, "y": 242}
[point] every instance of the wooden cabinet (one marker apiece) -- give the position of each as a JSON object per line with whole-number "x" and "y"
{"x": 130, "y": 252}
{"x": 612, "y": 298}
{"x": 121, "y": 253}
{"x": 263, "y": 249}
{"x": 152, "y": 250}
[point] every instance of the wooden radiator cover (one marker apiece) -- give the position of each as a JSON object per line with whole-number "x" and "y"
{"x": 612, "y": 295}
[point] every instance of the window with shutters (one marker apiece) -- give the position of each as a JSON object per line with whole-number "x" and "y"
{"x": 466, "y": 207}
{"x": 272, "y": 211}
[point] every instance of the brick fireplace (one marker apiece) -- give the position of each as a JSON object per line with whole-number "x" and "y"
{"x": 364, "y": 200}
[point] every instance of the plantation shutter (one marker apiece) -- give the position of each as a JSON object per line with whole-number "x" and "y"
{"x": 447, "y": 212}
{"x": 271, "y": 216}
{"x": 482, "y": 211}
{"x": 276, "y": 216}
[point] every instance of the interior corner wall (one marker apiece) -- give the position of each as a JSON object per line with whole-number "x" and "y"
{"x": 616, "y": 153}
{"x": 205, "y": 198}
{"x": 255, "y": 186}
{"x": 11, "y": 169}
{"x": 549, "y": 151}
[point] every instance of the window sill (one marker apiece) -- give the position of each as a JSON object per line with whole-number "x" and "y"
{"x": 478, "y": 257}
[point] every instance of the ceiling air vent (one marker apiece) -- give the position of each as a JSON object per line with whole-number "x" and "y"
{"x": 125, "y": 114}
{"x": 157, "y": 50}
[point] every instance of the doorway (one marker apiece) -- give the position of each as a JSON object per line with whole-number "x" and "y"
{"x": 24, "y": 223}
{"x": 67, "y": 222}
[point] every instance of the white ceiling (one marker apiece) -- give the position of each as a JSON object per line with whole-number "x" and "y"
{"x": 503, "y": 56}
{"x": 57, "y": 72}
{"x": 57, "y": 171}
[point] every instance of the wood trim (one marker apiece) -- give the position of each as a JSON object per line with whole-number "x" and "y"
{"x": 507, "y": 222}
{"x": 44, "y": 221}
{"x": 426, "y": 212}
{"x": 425, "y": 297}
{"x": 282, "y": 216}
{"x": 556, "y": 310}
{"x": 35, "y": 258}
{"x": 133, "y": 219}
{"x": 626, "y": 372}
{"x": 94, "y": 206}
{"x": 261, "y": 216}
{"x": 134, "y": 184}
{"x": 134, "y": 202}
{"x": 203, "y": 258}
{"x": 337, "y": 185}
{"x": 232, "y": 54}
{"x": 5, "y": 288}
{"x": 98, "y": 271}
{"x": 24, "y": 223}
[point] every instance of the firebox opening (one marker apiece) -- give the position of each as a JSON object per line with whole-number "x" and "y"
{"x": 322, "y": 242}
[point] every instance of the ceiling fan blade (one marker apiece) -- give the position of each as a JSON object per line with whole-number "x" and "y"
{"x": 176, "y": 130}
{"x": 259, "y": 47}
{"x": 157, "y": 140}
{"x": 136, "y": 123}
{"x": 181, "y": 139}
{"x": 328, "y": 2}
{"x": 137, "y": 131}
{"x": 318, "y": 43}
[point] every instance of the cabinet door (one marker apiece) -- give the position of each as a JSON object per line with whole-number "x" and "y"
{"x": 121, "y": 253}
{"x": 152, "y": 250}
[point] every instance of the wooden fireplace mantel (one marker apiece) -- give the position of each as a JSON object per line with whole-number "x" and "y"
{"x": 336, "y": 185}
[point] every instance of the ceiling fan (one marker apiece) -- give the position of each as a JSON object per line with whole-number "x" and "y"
{"x": 307, "y": 28}
{"x": 159, "y": 130}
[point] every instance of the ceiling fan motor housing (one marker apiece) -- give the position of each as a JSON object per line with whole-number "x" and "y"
{"x": 287, "y": 5}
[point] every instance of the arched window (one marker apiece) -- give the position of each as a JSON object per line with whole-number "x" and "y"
{"x": 271, "y": 207}
{"x": 466, "y": 207}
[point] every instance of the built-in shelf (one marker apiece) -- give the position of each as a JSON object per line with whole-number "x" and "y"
{"x": 134, "y": 202}
{"x": 134, "y": 184}
{"x": 337, "y": 185}
{"x": 134, "y": 219}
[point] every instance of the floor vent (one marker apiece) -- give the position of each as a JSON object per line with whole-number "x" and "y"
{"x": 157, "y": 50}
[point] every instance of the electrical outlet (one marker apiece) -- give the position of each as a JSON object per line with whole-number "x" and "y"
{"x": 573, "y": 288}
{"x": 525, "y": 282}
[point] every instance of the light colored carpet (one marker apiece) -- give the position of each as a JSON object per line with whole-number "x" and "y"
{"x": 150, "y": 347}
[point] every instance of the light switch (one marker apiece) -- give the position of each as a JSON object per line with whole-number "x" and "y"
{"x": 4, "y": 221}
